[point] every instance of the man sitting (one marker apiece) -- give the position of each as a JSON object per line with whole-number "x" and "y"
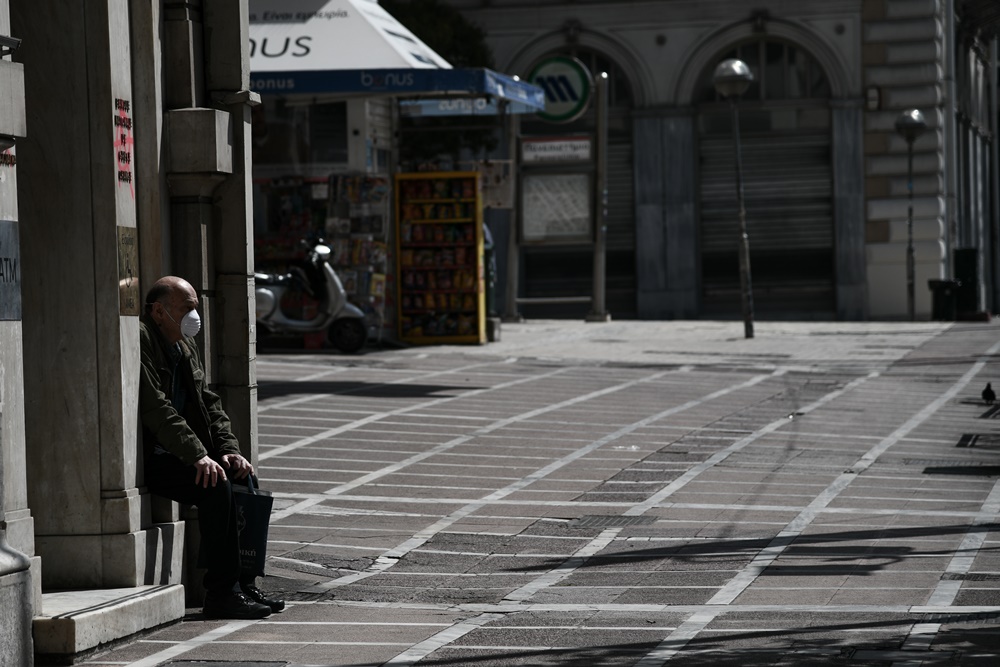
{"x": 191, "y": 453}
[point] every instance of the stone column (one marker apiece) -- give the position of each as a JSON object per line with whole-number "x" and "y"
{"x": 81, "y": 301}
{"x": 666, "y": 223}
{"x": 207, "y": 94}
{"x": 849, "y": 211}
{"x": 20, "y": 591}
{"x": 901, "y": 58}
{"x": 16, "y": 602}
{"x": 227, "y": 79}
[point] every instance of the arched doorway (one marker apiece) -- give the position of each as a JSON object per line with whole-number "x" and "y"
{"x": 559, "y": 271}
{"x": 785, "y": 128}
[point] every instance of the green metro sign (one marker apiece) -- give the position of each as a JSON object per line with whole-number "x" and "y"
{"x": 568, "y": 86}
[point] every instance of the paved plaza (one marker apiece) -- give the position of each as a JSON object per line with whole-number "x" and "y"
{"x": 626, "y": 494}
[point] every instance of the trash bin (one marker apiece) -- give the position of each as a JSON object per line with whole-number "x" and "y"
{"x": 944, "y": 299}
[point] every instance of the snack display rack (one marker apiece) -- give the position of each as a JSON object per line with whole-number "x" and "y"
{"x": 439, "y": 255}
{"x": 356, "y": 230}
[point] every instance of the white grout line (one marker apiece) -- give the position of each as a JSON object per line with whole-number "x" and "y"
{"x": 743, "y": 581}
{"x": 391, "y": 557}
{"x": 679, "y": 638}
{"x": 312, "y": 397}
{"x": 765, "y": 557}
{"x": 392, "y": 468}
{"x": 421, "y": 650}
{"x": 565, "y": 569}
{"x": 722, "y": 455}
{"x": 189, "y": 645}
{"x": 682, "y": 634}
{"x": 278, "y": 451}
{"x": 496, "y": 425}
{"x": 576, "y": 504}
{"x": 922, "y": 635}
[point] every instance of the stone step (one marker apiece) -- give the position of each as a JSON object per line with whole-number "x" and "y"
{"x": 75, "y": 622}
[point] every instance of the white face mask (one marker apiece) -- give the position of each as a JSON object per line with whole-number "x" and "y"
{"x": 190, "y": 324}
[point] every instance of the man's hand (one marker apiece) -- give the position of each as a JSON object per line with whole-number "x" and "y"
{"x": 237, "y": 465}
{"x": 208, "y": 472}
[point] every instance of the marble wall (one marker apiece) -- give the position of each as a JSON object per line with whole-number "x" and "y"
{"x": 20, "y": 588}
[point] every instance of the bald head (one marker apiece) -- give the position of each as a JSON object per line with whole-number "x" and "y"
{"x": 164, "y": 288}
{"x": 167, "y": 302}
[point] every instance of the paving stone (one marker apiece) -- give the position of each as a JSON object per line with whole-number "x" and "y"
{"x": 498, "y": 501}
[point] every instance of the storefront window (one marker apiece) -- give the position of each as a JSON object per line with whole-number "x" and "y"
{"x": 788, "y": 72}
{"x": 296, "y": 146}
{"x": 619, "y": 88}
{"x": 307, "y": 140}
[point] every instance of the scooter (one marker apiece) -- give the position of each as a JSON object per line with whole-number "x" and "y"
{"x": 343, "y": 321}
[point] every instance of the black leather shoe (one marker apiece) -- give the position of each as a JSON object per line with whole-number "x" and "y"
{"x": 234, "y": 606}
{"x": 260, "y": 597}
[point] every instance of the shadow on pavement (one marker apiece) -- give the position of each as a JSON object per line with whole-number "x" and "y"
{"x": 828, "y": 546}
{"x": 786, "y": 646}
{"x": 377, "y": 390}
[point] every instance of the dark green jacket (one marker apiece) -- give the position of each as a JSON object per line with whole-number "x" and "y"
{"x": 204, "y": 428}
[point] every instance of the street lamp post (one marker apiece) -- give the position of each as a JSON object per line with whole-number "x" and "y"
{"x": 732, "y": 78}
{"x": 910, "y": 125}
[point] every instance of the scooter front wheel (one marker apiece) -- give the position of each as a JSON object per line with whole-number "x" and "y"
{"x": 348, "y": 335}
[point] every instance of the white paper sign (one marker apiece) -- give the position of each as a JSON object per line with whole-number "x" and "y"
{"x": 570, "y": 149}
{"x": 557, "y": 207}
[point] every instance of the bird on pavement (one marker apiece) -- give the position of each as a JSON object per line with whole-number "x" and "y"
{"x": 988, "y": 394}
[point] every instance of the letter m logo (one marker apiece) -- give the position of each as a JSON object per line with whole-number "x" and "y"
{"x": 557, "y": 88}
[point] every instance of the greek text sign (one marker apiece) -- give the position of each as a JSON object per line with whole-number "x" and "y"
{"x": 10, "y": 271}
{"x": 568, "y": 149}
{"x": 124, "y": 144}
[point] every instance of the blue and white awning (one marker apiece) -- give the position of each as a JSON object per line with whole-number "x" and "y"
{"x": 446, "y": 83}
{"x": 313, "y": 35}
{"x": 344, "y": 48}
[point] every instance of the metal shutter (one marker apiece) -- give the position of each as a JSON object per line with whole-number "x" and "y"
{"x": 788, "y": 184}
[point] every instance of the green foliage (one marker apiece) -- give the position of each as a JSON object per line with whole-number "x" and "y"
{"x": 444, "y": 29}
{"x": 463, "y": 44}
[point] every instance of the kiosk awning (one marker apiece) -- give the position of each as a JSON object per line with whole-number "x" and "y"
{"x": 448, "y": 83}
{"x": 351, "y": 48}
{"x": 320, "y": 35}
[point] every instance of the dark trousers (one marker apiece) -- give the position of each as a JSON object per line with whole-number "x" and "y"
{"x": 167, "y": 476}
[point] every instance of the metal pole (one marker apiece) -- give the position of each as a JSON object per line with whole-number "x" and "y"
{"x": 994, "y": 220}
{"x": 746, "y": 284}
{"x": 511, "y": 313}
{"x": 599, "y": 311}
{"x": 910, "y": 294}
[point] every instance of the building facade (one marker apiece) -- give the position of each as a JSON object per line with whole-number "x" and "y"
{"x": 826, "y": 173}
{"x": 124, "y": 156}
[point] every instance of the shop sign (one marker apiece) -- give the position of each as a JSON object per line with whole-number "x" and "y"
{"x": 563, "y": 149}
{"x": 477, "y": 106}
{"x": 128, "y": 271}
{"x": 10, "y": 271}
{"x": 497, "y": 183}
{"x": 567, "y": 85}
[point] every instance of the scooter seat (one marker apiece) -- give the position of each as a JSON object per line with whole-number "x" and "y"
{"x": 277, "y": 279}
{"x": 295, "y": 279}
